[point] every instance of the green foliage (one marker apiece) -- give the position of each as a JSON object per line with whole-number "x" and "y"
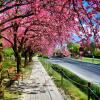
{"x": 8, "y": 52}
{"x": 72, "y": 76}
{"x": 92, "y": 47}
{"x": 97, "y": 53}
{"x": 10, "y": 95}
{"x": 8, "y": 62}
{"x": 14, "y": 95}
{"x": 90, "y": 60}
{"x": 68, "y": 87}
{"x": 73, "y": 48}
{"x": 73, "y": 88}
{"x": 82, "y": 82}
{"x": 41, "y": 55}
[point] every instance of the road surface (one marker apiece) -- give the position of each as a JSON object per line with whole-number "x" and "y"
{"x": 87, "y": 71}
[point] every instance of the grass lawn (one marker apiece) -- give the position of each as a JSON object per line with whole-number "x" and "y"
{"x": 68, "y": 87}
{"x": 96, "y": 61}
{"x": 90, "y": 60}
{"x": 14, "y": 95}
{"x": 11, "y": 95}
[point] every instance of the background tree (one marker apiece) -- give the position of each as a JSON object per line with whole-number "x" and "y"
{"x": 74, "y": 48}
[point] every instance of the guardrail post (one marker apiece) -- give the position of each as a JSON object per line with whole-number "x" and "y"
{"x": 61, "y": 77}
{"x": 89, "y": 92}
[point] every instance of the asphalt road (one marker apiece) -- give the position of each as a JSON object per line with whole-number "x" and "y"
{"x": 87, "y": 71}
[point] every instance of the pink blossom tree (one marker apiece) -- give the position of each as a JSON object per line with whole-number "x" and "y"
{"x": 39, "y": 25}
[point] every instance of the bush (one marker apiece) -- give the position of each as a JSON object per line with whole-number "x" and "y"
{"x": 97, "y": 53}
{"x": 8, "y": 52}
{"x": 67, "y": 87}
{"x": 44, "y": 56}
{"x": 72, "y": 76}
{"x": 76, "y": 79}
{"x": 73, "y": 47}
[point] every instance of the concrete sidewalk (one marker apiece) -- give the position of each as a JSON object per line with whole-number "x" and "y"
{"x": 39, "y": 86}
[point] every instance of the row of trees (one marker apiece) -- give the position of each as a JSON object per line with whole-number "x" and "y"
{"x": 31, "y": 26}
{"x": 88, "y": 51}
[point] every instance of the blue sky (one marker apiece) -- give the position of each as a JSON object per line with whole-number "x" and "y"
{"x": 97, "y": 15}
{"x": 85, "y": 3}
{"x": 76, "y": 38}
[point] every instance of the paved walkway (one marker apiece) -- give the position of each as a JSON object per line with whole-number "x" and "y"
{"x": 39, "y": 86}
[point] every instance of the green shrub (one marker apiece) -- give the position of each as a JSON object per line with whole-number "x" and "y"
{"x": 8, "y": 52}
{"x": 97, "y": 53}
{"x": 44, "y": 56}
{"x": 67, "y": 86}
{"x": 75, "y": 79}
{"x": 72, "y": 76}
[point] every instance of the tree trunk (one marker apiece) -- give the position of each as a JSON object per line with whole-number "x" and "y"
{"x": 30, "y": 57}
{"x": 1, "y": 93}
{"x": 1, "y": 87}
{"x": 18, "y": 59}
{"x": 26, "y": 58}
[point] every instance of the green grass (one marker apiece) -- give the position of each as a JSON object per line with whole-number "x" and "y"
{"x": 96, "y": 61}
{"x": 7, "y": 63}
{"x": 81, "y": 91}
{"x": 10, "y": 95}
{"x": 90, "y": 60}
{"x": 68, "y": 87}
{"x": 8, "y": 52}
{"x": 27, "y": 70}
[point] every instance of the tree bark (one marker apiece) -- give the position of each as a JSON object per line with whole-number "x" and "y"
{"x": 18, "y": 58}
{"x": 1, "y": 87}
{"x": 16, "y": 51}
{"x": 26, "y": 58}
{"x": 1, "y": 93}
{"x": 30, "y": 55}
